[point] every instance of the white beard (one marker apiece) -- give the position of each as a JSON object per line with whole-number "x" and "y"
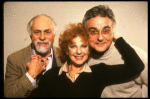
{"x": 42, "y": 49}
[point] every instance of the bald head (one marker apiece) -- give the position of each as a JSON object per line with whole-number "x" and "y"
{"x": 42, "y": 23}
{"x": 42, "y": 33}
{"x": 41, "y": 20}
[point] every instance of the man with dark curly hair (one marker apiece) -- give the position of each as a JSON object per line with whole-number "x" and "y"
{"x": 98, "y": 21}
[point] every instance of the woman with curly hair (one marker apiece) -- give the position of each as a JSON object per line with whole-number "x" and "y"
{"x": 75, "y": 78}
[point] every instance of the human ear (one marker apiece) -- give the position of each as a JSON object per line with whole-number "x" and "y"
{"x": 30, "y": 36}
{"x": 67, "y": 53}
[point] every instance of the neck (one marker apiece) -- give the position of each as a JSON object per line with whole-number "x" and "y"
{"x": 72, "y": 70}
{"x": 96, "y": 54}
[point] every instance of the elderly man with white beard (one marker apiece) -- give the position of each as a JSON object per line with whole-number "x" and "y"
{"x": 24, "y": 67}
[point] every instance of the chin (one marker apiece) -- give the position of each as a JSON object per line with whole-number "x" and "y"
{"x": 99, "y": 49}
{"x": 42, "y": 52}
{"x": 79, "y": 64}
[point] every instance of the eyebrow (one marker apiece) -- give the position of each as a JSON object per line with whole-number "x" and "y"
{"x": 106, "y": 27}
{"x": 92, "y": 28}
{"x": 40, "y": 30}
{"x": 47, "y": 30}
{"x": 36, "y": 30}
{"x": 96, "y": 28}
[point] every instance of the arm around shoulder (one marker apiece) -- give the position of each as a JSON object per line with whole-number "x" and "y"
{"x": 121, "y": 72}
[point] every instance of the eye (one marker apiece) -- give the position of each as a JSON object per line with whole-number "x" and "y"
{"x": 84, "y": 46}
{"x": 72, "y": 46}
{"x": 47, "y": 32}
{"x": 93, "y": 32}
{"x": 36, "y": 32}
{"x": 106, "y": 31}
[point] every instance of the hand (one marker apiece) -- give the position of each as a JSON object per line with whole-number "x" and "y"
{"x": 35, "y": 67}
{"x": 116, "y": 36}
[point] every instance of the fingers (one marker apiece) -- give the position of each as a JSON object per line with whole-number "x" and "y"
{"x": 35, "y": 67}
{"x": 40, "y": 60}
{"x": 117, "y": 35}
{"x": 28, "y": 64}
{"x": 44, "y": 64}
{"x": 35, "y": 57}
{"x": 44, "y": 67}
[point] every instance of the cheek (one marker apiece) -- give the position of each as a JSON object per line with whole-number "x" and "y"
{"x": 86, "y": 52}
{"x": 110, "y": 37}
{"x": 92, "y": 40}
{"x": 50, "y": 38}
{"x": 34, "y": 39}
{"x": 109, "y": 41}
{"x": 71, "y": 52}
{"x": 71, "y": 56}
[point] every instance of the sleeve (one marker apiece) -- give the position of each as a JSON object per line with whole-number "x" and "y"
{"x": 47, "y": 85}
{"x": 143, "y": 78}
{"x": 121, "y": 72}
{"x": 44, "y": 89}
{"x": 16, "y": 84}
{"x": 33, "y": 81}
{"x": 40, "y": 91}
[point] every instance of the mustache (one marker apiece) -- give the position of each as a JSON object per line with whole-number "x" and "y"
{"x": 98, "y": 42}
{"x": 44, "y": 42}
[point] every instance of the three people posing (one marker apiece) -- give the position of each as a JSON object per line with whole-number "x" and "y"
{"x": 23, "y": 67}
{"x": 75, "y": 78}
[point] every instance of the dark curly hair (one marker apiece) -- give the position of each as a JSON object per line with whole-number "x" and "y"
{"x": 71, "y": 31}
{"x": 100, "y": 10}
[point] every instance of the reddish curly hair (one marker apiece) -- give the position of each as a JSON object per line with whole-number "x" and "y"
{"x": 71, "y": 31}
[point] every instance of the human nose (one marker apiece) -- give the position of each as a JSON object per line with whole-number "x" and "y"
{"x": 42, "y": 36}
{"x": 78, "y": 51}
{"x": 100, "y": 37}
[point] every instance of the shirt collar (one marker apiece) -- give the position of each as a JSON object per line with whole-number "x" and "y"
{"x": 85, "y": 68}
{"x": 51, "y": 54}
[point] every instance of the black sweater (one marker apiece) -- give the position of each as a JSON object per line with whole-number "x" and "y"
{"x": 90, "y": 84}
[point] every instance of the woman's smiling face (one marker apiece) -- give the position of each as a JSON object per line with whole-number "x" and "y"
{"x": 78, "y": 51}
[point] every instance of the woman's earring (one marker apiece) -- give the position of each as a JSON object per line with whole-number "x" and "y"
{"x": 67, "y": 53}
